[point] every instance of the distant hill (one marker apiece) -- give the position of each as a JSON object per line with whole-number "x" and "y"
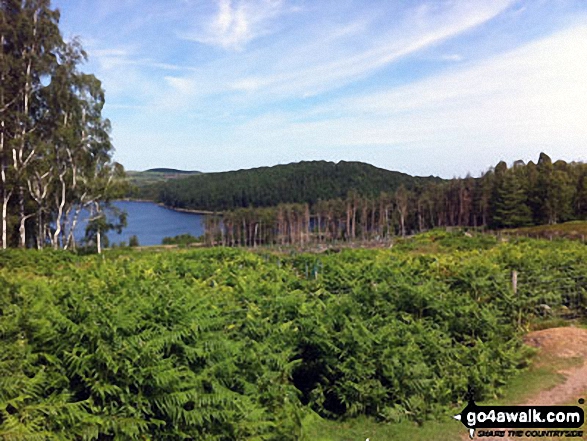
{"x": 307, "y": 181}
{"x": 144, "y": 183}
{"x": 171, "y": 171}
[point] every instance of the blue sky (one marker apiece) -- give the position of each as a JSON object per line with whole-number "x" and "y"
{"x": 440, "y": 87}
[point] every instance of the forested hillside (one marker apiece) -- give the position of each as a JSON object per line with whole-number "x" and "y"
{"x": 293, "y": 183}
{"x": 322, "y": 201}
{"x": 518, "y": 196}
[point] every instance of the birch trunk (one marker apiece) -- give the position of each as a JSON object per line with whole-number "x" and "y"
{"x": 5, "y": 193}
{"x": 5, "y": 199}
{"x": 38, "y": 190}
{"x": 23, "y": 218}
{"x": 21, "y": 164}
{"x": 69, "y": 238}
{"x": 39, "y": 230}
{"x": 60, "y": 206}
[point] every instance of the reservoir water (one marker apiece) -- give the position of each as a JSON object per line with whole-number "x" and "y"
{"x": 151, "y": 223}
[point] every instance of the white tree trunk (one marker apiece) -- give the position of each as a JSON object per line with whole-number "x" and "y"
{"x": 58, "y": 220}
{"x": 5, "y": 200}
{"x": 70, "y": 237}
{"x": 23, "y": 218}
{"x": 5, "y": 194}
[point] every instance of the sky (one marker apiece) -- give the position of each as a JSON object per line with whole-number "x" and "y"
{"x": 444, "y": 87}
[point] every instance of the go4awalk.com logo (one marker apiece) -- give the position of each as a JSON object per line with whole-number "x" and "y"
{"x": 563, "y": 418}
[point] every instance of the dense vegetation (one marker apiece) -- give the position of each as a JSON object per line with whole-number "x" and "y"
{"x": 306, "y": 182}
{"x": 228, "y": 345}
{"x": 181, "y": 239}
{"x": 55, "y": 150}
{"x": 523, "y": 195}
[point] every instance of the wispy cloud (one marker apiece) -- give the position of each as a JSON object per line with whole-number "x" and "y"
{"x": 452, "y": 57}
{"x": 331, "y": 59}
{"x": 538, "y": 77}
{"x": 237, "y": 22}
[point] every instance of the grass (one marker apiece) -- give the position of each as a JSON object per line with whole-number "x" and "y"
{"x": 317, "y": 429}
{"x": 554, "y": 322}
{"x": 530, "y": 382}
{"x": 569, "y": 230}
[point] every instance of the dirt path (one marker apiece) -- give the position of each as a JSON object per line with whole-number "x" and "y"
{"x": 561, "y": 343}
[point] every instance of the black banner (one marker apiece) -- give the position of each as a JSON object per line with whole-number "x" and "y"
{"x": 539, "y": 417}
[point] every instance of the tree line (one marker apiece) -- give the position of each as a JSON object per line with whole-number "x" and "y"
{"x": 55, "y": 149}
{"x": 545, "y": 192}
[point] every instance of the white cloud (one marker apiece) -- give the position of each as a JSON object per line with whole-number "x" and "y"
{"x": 181, "y": 85}
{"x": 452, "y": 57}
{"x": 320, "y": 56}
{"x": 238, "y": 22}
{"x": 111, "y": 58}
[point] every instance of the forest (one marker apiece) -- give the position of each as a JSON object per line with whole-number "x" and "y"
{"x": 303, "y": 182}
{"x": 542, "y": 193}
{"x": 55, "y": 149}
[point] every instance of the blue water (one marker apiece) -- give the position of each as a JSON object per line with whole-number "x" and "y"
{"x": 151, "y": 223}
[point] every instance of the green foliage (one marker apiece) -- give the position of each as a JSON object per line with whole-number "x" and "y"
{"x": 55, "y": 149}
{"x": 307, "y": 181}
{"x": 109, "y": 348}
{"x": 511, "y": 209}
{"x": 568, "y": 230}
{"x": 224, "y": 344}
{"x": 133, "y": 241}
{"x": 446, "y": 241}
{"x": 181, "y": 239}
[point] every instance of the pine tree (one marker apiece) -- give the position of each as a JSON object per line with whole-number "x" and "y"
{"x": 511, "y": 209}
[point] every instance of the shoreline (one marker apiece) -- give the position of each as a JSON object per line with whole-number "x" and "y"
{"x": 160, "y": 204}
{"x": 187, "y": 210}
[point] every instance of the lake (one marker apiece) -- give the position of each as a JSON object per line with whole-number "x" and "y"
{"x": 151, "y": 223}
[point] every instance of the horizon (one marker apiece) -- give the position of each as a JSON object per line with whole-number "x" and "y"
{"x": 425, "y": 88}
{"x": 491, "y": 167}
